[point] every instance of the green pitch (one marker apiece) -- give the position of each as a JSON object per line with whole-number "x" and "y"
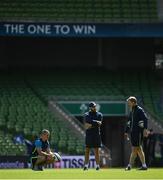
{"x": 80, "y": 174}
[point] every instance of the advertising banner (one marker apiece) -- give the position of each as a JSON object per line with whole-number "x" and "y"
{"x": 15, "y": 162}
{"x": 20, "y": 162}
{"x": 74, "y": 162}
{"x": 80, "y": 30}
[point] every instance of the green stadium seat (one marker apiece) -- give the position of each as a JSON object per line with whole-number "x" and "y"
{"x": 80, "y": 11}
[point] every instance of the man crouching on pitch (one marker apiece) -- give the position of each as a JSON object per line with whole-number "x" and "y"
{"x": 41, "y": 153}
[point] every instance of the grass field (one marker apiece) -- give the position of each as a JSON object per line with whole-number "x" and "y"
{"x": 80, "y": 174}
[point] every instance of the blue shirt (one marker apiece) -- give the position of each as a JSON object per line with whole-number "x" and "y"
{"x": 43, "y": 145}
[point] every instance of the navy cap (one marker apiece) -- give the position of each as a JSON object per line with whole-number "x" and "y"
{"x": 92, "y": 104}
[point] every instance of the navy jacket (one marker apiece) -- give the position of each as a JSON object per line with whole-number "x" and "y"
{"x": 91, "y": 117}
{"x": 137, "y": 120}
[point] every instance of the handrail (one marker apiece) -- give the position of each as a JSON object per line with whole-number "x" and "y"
{"x": 79, "y": 129}
{"x": 72, "y": 117}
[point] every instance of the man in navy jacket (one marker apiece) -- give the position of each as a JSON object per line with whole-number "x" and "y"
{"x": 137, "y": 127}
{"x": 93, "y": 121}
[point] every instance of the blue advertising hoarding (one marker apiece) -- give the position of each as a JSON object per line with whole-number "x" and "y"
{"x": 80, "y": 30}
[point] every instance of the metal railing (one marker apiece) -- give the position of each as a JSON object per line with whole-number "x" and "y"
{"x": 73, "y": 122}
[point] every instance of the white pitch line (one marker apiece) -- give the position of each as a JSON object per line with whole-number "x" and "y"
{"x": 80, "y": 179}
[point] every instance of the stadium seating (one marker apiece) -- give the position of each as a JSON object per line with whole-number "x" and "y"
{"x": 24, "y": 110}
{"x": 145, "y": 86}
{"x": 111, "y": 85}
{"x": 8, "y": 147}
{"x": 79, "y": 10}
{"x": 65, "y": 83}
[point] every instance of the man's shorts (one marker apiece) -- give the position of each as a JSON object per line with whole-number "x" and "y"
{"x": 93, "y": 140}
{"x": 136, "y": 138}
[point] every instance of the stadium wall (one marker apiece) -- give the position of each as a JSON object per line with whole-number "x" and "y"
{"x": 128, "y": 53}
{"x": 112, "y": 53}
{"x": 44, "y": 52}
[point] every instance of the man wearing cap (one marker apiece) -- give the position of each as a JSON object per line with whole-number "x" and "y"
{"x": 93, "y": 121}
{"x": 137, "y": 128}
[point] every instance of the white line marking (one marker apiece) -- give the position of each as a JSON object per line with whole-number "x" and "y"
{"x": 81, "y": 179}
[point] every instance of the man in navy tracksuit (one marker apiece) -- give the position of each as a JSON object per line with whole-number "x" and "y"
{"x": 137, "y": 127}
{"x": 93, "y": 121}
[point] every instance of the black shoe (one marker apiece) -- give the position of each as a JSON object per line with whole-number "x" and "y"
{"x": 143, "y": 168}
{"x": 40, "y": 168}
{"x": 37, "y": 168}
{"x": 85, "y": 168}
{"x": 128, "y": 168}
{"x": 97, "y": 168}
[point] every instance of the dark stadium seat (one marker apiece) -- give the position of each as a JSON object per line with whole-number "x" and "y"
{"x": 80, "y": 11}
{"x": 23, "y": 112}
{"x": 8, "y": 147}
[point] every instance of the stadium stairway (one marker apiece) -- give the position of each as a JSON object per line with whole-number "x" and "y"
{"x": 74, "y": 125}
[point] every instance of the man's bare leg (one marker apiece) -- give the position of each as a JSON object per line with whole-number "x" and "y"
{"x": 97, "y": 158}
{"x": 87, "y": 151}
{"x": 40, "y": 160}
{"x": 132, "y": 157}
{"x": 142, "y": 157}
